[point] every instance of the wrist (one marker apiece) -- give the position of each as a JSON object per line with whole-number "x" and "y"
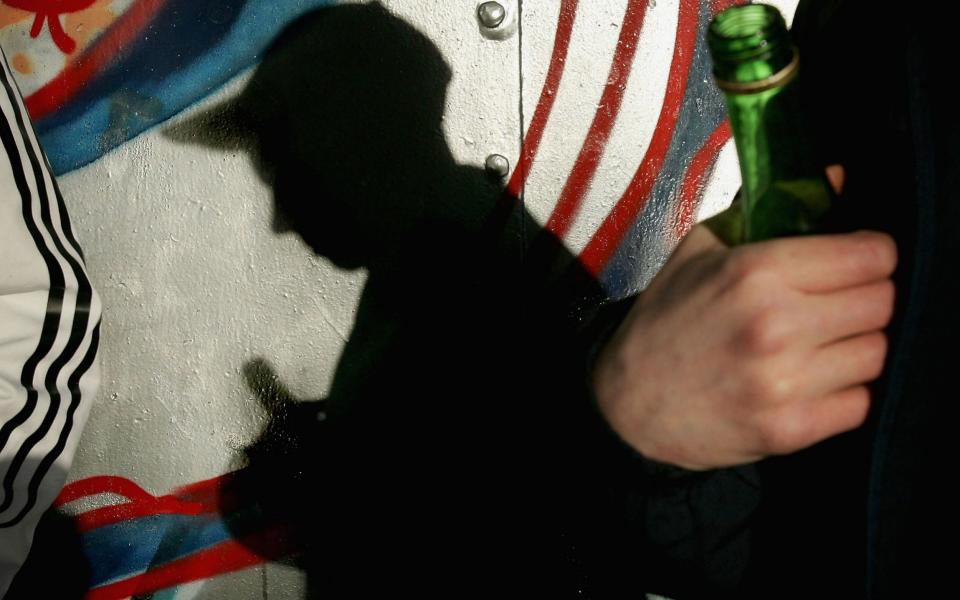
{"x": 607, "y": 382}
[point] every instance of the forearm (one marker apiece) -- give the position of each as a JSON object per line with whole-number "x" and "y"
{"x": 658, "y": 527}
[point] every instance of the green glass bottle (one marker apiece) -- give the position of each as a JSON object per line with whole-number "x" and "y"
{"x": 784, "y": 190}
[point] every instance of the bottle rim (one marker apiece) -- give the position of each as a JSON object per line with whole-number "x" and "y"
{"x": 746, "y": 32}
{"x": 778, "y": 79}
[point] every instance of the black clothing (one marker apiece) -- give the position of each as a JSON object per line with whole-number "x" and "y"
{"x": 859, "y": 515}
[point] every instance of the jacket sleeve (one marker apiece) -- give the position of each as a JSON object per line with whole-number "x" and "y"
{"x": 49, "y": 330}
{"x": 666, "y": 530}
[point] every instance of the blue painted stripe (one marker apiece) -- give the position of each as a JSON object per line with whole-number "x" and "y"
{"x": 648, "y": 244}
{"x": 189, "y": 50}
{"x": 122, "y": 550}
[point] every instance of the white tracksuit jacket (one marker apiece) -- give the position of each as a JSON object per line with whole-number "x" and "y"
{"x": 49, "y": 331}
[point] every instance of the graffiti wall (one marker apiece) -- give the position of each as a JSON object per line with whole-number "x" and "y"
{"x": 228, "y": 326}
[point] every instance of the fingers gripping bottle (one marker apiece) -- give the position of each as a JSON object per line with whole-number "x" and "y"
{"x": 784, "y": 190}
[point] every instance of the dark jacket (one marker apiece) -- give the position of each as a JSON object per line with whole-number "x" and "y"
{"x": 859, "y": 515}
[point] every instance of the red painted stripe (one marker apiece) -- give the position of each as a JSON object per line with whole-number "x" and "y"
{"x": 208, "y": 496}
{"x": 548, "y": 94}
{"x": 142, "y": 503}
{"x": 64, "y": 42}
{"x": 616, "y": 225}
{"x": 38, "y": 24}
{"x": 692, "y": 187}
{"x": 232, "y": 555}
{"x": 75, "y": 76}
{"x": 102, "y": 484}
{"x": 507, "y": 202}
{"x": 110, "y": 515}
{"x": 585, "y": 167}
{"x": 719, "y": 5}
{"x": 210, "y": 492}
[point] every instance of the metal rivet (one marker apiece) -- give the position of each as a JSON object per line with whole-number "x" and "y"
{"x": 491, "y": 14}
{"x": 497, "y": 165}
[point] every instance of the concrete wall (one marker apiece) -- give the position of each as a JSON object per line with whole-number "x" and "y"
{"x": 605, "y": 111}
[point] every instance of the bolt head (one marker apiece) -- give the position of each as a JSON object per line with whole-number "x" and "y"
{"x": 491, "y": 14}
{"x": 497, "y": 166}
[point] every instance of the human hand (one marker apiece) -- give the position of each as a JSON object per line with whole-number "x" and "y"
{"x": 731, "y": 355}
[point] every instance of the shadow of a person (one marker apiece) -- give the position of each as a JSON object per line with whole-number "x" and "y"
{"x": 453, "y": 453}
{"x": 56, "y": 541}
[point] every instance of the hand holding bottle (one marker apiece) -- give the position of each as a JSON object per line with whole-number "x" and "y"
{"x": 734, "y": 354}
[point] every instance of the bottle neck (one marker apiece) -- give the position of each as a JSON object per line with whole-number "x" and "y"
{"x": 783, "y": 189}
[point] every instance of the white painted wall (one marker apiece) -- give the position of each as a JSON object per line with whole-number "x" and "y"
{"x": 195, "y": 283}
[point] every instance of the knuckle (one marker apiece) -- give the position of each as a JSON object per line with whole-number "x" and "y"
{"x": 751, "y": 282}
{"x": 745, "y": 264}
{"x": 779, "y": 433}
{"x": 767, "y": 387}
{"x": 765, "y": 333}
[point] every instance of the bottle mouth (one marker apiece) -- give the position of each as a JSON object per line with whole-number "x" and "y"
{"x": 745, "y": 32}
{"x": 751, "y": 49}
{"x": 746, "y": 21}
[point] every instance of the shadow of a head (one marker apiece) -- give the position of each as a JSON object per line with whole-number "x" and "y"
{"x": 343, "y": 118}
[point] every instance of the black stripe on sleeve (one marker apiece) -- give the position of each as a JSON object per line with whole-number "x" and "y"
{"x": 78, "y": 330}
{"x": 48, "y": 460}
